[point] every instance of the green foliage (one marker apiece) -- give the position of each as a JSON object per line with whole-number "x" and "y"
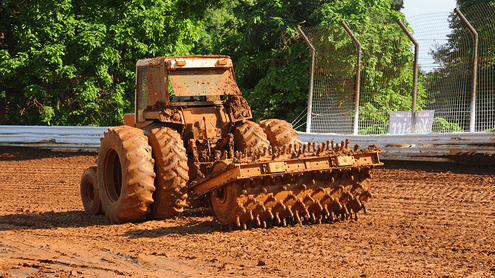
{"x": 272, "y": 68}
{"x": 441, "y": 125}
{"x": 73, "y": 62}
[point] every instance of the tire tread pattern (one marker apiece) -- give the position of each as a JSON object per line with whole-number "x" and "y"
{"x": 280, "y": 133}
{"x": 250, "y": 135}
{"x": 137, "y": 174}
{"x": 172, "y": 172}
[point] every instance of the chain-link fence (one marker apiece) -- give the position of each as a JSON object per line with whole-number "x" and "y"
{"x": 455, "y": 85}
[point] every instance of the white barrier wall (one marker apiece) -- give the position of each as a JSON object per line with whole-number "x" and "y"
{"x": 460, "y": 147}
{"x": 447, "y": 147}
{"x": 65, "y": 138}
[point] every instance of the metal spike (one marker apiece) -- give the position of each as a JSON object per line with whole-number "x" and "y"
{"x": 238, "y": 221}
{"x": 320, "y": 207}
{"x": 284, "y": 222}
{"x": 258, "y": 222}
{"x": 325, "y": 209}
{"x": 356, "y": 147}
{"x": 347, "y": 143}
{"x": 244, "y": 226}
{"x": 298, "y": 219}
{"x": 307, "y": 214}
{"x": 346, "y": 211}
{"x": 313, "y": 217}
{"x": 264, "y": 224}
{"x": 290, "y": 211}
{"x": 277, "y": 218}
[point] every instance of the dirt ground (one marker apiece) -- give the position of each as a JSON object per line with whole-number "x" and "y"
{"x": 425, "y": 219}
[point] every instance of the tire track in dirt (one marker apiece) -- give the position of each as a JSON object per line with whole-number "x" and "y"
{"x": 56, "y": 257}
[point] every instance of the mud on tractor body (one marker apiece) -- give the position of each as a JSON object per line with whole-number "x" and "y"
{"x": 191, "y": 137}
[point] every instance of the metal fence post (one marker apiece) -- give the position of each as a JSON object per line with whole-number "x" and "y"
{"x": 311, "y": 79}
{"x": 358, "y": 77}
{"x": 415, "y": 76}
{"x": 472, "y": 120}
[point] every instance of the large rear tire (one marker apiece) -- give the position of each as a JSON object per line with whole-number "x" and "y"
{"x": 90, "y": 194}
{"x": 171, "y": 172}
{"x": 125, "y": 174}
{"x": 280, "y": 133}
{"x": 250, "y": 135}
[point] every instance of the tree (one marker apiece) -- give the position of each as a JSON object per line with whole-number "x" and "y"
{"x": 73, "y": 62}
{"x": 271, "y": 65}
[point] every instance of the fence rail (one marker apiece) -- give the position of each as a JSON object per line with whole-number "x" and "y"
{"x": 451, "y": 147}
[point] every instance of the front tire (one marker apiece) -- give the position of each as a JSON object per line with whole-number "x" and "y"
{"x": 125, "y": 174}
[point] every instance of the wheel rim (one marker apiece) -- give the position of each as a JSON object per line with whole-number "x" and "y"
{"x": 112, "y": 175}
{"x": 89, "y": 191}
{"x": 223, "y": 204}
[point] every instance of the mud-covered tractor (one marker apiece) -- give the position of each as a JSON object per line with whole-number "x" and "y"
{"x": 192, "y": 137}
